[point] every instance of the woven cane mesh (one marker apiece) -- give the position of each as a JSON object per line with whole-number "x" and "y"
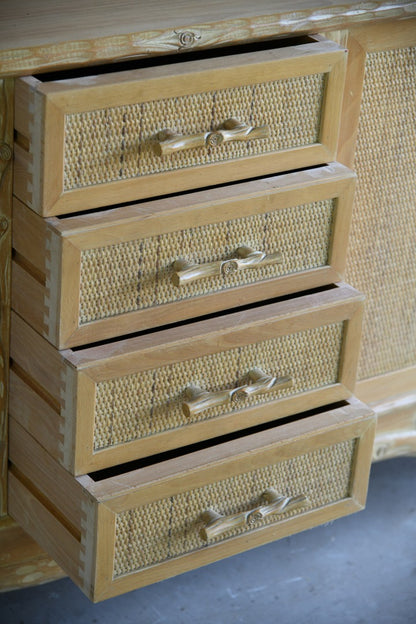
{"x": 115, "y": 143}
{"x": 382, "y": 251}
{"x": 168, "y": 528}
{"x": 135, "y": 275}
{"x": 150, "y": 402}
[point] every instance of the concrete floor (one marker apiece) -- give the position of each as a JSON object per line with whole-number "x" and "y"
{"x": 358, "y": 570}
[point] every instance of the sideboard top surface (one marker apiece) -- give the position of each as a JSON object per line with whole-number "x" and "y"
{"x": 38, "y": 35}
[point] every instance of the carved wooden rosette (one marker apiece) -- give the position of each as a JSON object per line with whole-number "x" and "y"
{"x": 75, "y": 50}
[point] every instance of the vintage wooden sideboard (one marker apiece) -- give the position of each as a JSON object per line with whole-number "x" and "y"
{"x": 208, "y": 249}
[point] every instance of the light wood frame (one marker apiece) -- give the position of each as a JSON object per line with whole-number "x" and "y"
{"x": 48, "y": 253}
{"x": 85, "y": 544}
{"x": 53, "y": 394}
{"x": 41, "y": 109}
{"x": 59, "y": 44}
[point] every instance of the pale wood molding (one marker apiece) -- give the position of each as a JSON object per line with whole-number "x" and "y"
{"x": 383, "y": 387}
{"x": 396, "y": 427}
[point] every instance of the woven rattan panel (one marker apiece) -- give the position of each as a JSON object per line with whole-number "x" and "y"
{"x": 115, "y": 143}
{"x": 382, "y": 251}
{"x": 169, "y": 528}
{"x": 136, "y": 406}
{"x": 135, "y": 275}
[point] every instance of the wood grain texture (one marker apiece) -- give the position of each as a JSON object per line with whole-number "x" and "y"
{"x": 38, "y": 503}
{"x": 383, "y": 387}
{"x": 396, "y": 427}
{"x": 6, "y": 153}
{"x": 179, "y": 354}
{"x": 156, "y": 232}
{"x": 23, "y": 563}
{"x": 54, "y": 177}
{"x": 42, "y": 35}
{"x": 38, "y": 520}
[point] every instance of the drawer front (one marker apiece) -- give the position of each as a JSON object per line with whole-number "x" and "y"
{"x": 165, "y": 529}
{"x": 166, "y": 389}
{"x": 169, "y": 517}
{"x": 123, "y": 135}
{"x": 128, "y": 269}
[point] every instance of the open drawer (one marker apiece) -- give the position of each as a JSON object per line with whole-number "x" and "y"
{"x": 112, "y": 534}
{"x": 94, "y": 276}
{"x": 111, "y": 403}
{"x": 114, "y": 137}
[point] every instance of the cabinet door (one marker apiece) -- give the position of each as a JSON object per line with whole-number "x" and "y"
{"x": 378, "y": 140}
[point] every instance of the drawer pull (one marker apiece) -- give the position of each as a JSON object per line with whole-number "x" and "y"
{"x": 168, "y": 141}
{"x": 258, "y": 383}
{"x": 245, "y": 258}
{"x": 272, "y": 503}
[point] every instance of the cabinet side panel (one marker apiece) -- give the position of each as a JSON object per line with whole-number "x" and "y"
{"x": 6, "y": 141}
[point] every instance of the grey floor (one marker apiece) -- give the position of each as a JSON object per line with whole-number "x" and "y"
{"x": 357, "y": 570}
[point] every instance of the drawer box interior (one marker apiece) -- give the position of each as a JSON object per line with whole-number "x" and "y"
{"x": 110, "y": 403}
{"x": 95, "y": 140}
{"x": 112, "y": 534}
{"x": 95, "y": 276}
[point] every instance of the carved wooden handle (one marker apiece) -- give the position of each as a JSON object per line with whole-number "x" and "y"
{"x": 245, "y": 258}
{"x": 273, "y": 503}
{"x": 259, "y": 383}
{"x": 168, "y": 141}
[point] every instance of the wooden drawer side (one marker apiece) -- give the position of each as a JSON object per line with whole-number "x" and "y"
{"x": 111, "y": 409}
{"x": 97, "y": 275}
{"x": 142, "y": 526}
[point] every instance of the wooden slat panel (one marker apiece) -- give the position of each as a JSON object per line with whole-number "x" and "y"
{"x": 36, "y": 414}
{"x": 29, "y": 234}
{"x": 36, "y": 356}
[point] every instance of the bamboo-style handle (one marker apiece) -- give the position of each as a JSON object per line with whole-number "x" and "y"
{"x": 259, "y": 382}
{"x": 214, "y": 524}
{"x": 168, "y": 141}
{"x": 245, "y": 258}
